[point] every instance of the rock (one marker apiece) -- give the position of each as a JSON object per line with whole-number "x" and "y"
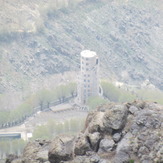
{"x": 133, "y": 109}
{"x": 36, "y": 152}
{"x": 139, "y": 104}
{"x": 61, "y": 149}
{"x": 143, "y": 150}
{"x": 82, "y": 145}
{"x": 10, "y": 158}
{"x": 96, "y": 124}
{"x": 42, "y": 155}
{"x": 160, "y": 154}
{"x": 115, "y": 118}
{"x": 146, "y": 159}
{"x": 106, "y": 145}
{"x": 116, "y": 137}
{"x": 123, "y": 150}
{"x": 94, "y": 158}
{"x": 110, "y": 136}
{"x": 94, "y": 140}
{"x": 19, "y": 160}
{"x": 121, "y": 157}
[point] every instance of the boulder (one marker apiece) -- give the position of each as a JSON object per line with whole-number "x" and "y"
{"x": 117, "y": 137}
{"x": 96, "y": 123}
{"x": 82, "y": 145}
{"x": 111, "y": 135}
{"x": 94, "y": 140}
{"x": 121, "y": 157}
{"x": 139, "y": 104}
{"x": 61, "y": 149}
{"x": 123, "y": 150}
{"x": 10, "y": 158}
{"x": 133, "y": 109}
{"x": 36, "y": 152}
{"x": 115, "y": 118}
{"x": 106, "y": 145}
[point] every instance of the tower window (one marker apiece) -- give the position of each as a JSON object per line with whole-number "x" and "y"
{"x": 96, "y": 61}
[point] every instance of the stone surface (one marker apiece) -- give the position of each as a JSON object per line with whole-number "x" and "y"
{"x": 36, "y": 152}
{"x": 11, "y": 158}
{"x": 81, "y": 145}
{"x": 94, "y": 140}
{"x": 116, "y": 137}
{"x": 133, "y": 109}
{"x": 61, "y": 149}
{"x": 106, "y": 145}
{"x": 96, "y": 124}
{"x": 136, "y": 137}
{"x": 115, "y": 118}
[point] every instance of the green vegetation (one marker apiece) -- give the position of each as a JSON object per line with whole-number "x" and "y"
{"x": 131, "y": 161}
{"x": 40, "y": 100}
{"x": 53, "y": 128}
{"x": 44, "y": 98}
{"x": 115, "y": 94}
{"x": 14, "y": 146}
{"x": 154, "y": 95}
{"x": 96, "y": 101}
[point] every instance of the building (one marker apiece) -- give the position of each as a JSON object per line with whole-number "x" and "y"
{"x": 88, "y": 80}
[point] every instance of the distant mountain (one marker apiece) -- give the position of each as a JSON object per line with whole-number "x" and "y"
{"x": 39, "y": 39}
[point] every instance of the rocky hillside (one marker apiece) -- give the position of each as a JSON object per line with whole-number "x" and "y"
{"x": 39, "y": 39}
{"x": 114, "y": 133}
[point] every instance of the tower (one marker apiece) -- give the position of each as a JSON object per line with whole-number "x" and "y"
{"x": 88, "y": 83}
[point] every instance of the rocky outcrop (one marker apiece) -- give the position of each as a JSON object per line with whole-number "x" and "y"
{"x": 61, "y": 149}
{"x": 131, "y": 132}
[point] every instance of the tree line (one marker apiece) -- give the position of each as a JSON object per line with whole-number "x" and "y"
{"x": 44, "y": 98}
{"x": 40, "y": 101}
{"x": 8, "y": 146}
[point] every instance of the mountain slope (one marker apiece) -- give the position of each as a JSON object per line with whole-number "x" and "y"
{"x": 41, "y": 41}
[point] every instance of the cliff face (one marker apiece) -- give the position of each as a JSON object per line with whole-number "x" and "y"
{"x": 131, "y": 132}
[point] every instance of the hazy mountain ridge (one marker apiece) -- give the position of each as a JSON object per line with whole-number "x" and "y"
{"x": 126, "y": 36}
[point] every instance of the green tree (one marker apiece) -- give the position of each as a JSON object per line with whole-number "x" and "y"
{"x": 61, "y": 92}
{"x": 72, "y": 88}
{"x": 116, "y": 94}
{"x": 153, "y": 95}
{"x": 95, "y": 101}
{"x": 41, "y": 132}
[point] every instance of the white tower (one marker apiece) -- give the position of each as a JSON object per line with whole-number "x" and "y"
{"x": 88, "y": 84}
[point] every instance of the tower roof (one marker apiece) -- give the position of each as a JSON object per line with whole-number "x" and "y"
{"x": 88, "y": 54}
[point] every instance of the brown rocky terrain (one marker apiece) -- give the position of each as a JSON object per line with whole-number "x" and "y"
{"x": 114, "y": 133}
